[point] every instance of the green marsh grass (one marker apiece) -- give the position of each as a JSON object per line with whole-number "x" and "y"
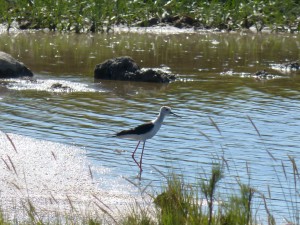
{"x": 102, "y": 15}
{"x": 182, "y": 203}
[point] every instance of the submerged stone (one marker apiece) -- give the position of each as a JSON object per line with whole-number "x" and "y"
{"x": 62, "y": 87}
{"x": 151, "y": 75}
{"x": 125, "y": 68}
{"x": 288, "y": 67}
{"x": 12, "y": 68}
{"x": 263, "y": 74}
{"x": 293, "y": 66}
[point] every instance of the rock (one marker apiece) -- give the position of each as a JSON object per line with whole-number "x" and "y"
{"x": 291, "y": 66}
{"x": 116, "y": 68}
{"x": 288, "y": 67}
{"x": 158, "y": 76}
{"x": 263, "y": 74}
{"x": 60, "y": 87}
{"x": 12, "y": 68}
{"x": 125, "y": 68}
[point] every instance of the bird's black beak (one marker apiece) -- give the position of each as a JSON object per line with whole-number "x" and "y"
{"x": 175, "y": 115}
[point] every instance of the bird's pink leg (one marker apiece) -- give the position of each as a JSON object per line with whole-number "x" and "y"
{"x": 134, "y": 153}
{"x": 142, "y": 157}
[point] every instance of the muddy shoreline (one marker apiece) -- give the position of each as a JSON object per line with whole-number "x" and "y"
{"x": 57, "y": 181}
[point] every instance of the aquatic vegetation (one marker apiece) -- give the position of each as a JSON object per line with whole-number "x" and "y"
{"x": 184, "y": 203}
{"x": 99, "y": 16}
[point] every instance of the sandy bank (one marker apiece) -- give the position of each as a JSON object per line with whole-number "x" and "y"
{"x": 58, "y": 181}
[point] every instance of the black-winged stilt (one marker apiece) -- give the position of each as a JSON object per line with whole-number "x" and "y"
{"x": 145, "y": 131}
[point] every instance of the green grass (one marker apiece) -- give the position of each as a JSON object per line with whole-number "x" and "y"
{"x": 101, "y": 15}
{"x": 183, "y": 203}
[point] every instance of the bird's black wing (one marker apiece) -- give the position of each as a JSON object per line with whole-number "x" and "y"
{"x": 141, "y": 129}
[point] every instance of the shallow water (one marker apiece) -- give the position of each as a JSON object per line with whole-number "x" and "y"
{"x": 258, "y": 120}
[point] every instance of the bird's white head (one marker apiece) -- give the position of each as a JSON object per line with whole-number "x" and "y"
{"x": 165, "y": 110}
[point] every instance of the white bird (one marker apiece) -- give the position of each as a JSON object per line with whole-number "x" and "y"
{"x": 145, "y": 131}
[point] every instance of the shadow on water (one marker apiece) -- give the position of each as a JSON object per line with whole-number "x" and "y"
{"x": 214, "y": 82}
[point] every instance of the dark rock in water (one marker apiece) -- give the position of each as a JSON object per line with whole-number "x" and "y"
{"x": 291, "y": 66}
{"x": 59, "y": 86}
{"x": 125, "y": 68}
{"x": 287, "y": 67}
{"x": 56, "y": 85}
{"x": 12, "y": 68}
{"x": 157, "y": 76}
{"x": 263, "y": 74}
{"x": 116, "y": 69}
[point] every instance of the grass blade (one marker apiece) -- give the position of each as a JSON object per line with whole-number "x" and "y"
{"x": 6, "y": 164}
{"x": 53, "y": 154}
{"x": 157, "y": 170}
{"x": 102, "y": 209}
{"x": 13, "y": 166}
{"x": 205, "y": 135}
{"x": 91, "y": 173}
{"x": 101, "y": 201}
{"x": 11, "y": 142}
{"x": 271, "y": 155}
{"x": 215, "y": 125}
{"x": 257, "y": 131}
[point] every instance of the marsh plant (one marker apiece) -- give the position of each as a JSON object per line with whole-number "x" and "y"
{"x": 102, "y": 15}
{"x": 182, "y": 203}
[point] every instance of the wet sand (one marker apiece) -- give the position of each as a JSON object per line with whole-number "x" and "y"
{"x": 58, "y": 181}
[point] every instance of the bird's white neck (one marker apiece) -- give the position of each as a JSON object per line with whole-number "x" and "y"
{"x": 159, "y": 118}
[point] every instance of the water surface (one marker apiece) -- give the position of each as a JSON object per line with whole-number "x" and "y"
{"x": 258, "y": 120}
